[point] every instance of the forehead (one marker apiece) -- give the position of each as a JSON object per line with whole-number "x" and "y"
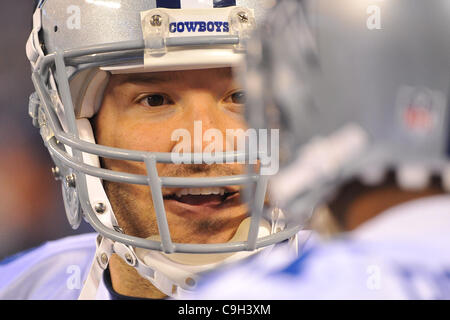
{"x": 197, "y": 76}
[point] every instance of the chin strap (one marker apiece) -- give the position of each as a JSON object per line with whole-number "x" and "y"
{"x": 99, "y": 264}
{"x": 173, "y": 274}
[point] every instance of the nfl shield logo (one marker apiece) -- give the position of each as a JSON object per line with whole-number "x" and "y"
{"x": 417, "y": 115}
{"x": 419, "y": 109}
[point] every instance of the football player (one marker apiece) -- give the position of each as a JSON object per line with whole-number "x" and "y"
{"x": 134, "y": 101}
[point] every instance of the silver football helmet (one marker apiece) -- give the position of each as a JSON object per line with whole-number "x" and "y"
{"x": 73, "y": 48}
{"x": 356, "y": 87}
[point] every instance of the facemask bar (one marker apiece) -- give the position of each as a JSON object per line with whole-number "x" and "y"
{"x": 54, "y": 137}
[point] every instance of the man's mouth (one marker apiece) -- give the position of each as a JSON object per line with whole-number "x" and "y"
{"x": 202, "y": 196}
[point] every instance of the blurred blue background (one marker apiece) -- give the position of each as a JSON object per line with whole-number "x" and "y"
{"x": 31, "y": 206}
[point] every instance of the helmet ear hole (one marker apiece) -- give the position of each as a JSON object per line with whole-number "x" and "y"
{"x": 71, "y": 201}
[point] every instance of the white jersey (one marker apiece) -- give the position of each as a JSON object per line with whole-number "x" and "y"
{"x": 57, "y": 270}
{"x": 54, "y": 271}
{"x": 404, "y": 253}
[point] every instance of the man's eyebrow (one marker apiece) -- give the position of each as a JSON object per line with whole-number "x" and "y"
{"x": 147, "y": 78}
{"x": 161, "y": 77}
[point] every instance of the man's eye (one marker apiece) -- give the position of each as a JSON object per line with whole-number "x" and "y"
{"x": 156, "y": 100}
{"x": 238, "y": 97}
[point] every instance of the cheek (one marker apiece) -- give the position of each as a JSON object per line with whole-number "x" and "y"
{"x": 143, "y": 136}
{"x": 231, "y": 121}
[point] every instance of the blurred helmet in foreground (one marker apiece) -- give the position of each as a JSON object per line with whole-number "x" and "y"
{"x": 355, "y": 88}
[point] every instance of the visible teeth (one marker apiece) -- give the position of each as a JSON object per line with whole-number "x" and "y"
{"x": 200, "y": 191}
{"x": 411, "y": 177}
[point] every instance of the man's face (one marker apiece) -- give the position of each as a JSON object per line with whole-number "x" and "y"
{"x": 140, "y": 112}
